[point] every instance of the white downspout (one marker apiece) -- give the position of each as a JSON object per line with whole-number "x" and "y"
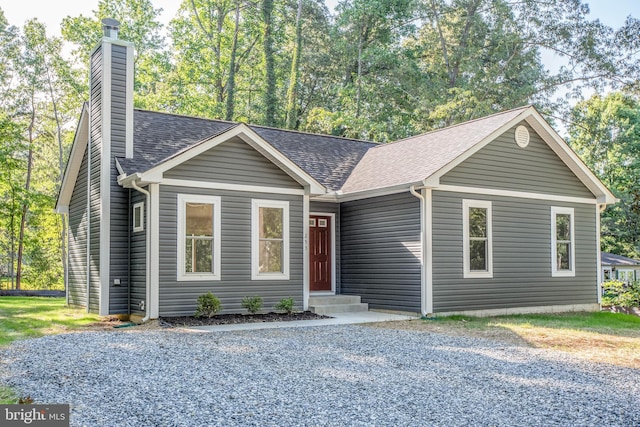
{"x": 147, "y": 306}
{"x": 423, "y": 247}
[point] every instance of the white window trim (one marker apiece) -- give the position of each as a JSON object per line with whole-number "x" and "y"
{"x": 139, "y": 205}
{"x": 183, "y": 199}
{"x": 256, "y": 204}
{"x": 466, "y": 205}
{"x": 554, "y": 247}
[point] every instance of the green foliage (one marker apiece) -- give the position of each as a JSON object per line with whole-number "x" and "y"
{"x": 286, "y": 305}
{"x": 208, "y": 305}
{"x": 621, "y": 294}
{"x": 252, "y": 304}
{"x": 32, "y": 317}
{"x": 605, "y": 132}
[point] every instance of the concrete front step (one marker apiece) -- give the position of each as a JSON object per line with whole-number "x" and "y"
{"x": 334, "y": 299}
{"x": 337, "y": 304}
{"x": 339, "y": 308}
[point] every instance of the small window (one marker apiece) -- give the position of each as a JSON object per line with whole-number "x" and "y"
{"x": 626, "y": 276}
{"x": 312, "y": 222}
{"x": 562, "y": 242}
{"x": 138, "y": 217}
{"x": 270, "y": 240}
{"x": 322, "y": 222}
{"x": 198, "y": 237}
{"x": 477, "y": 244}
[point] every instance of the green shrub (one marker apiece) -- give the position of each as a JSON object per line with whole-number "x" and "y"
{"x": 285, "y": 304}
{"x": 208, "y": 305}
{"x": 252, "y": 304}
{"x": 621, "y": 294}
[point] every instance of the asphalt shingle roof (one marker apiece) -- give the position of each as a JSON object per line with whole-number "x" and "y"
{"x": 416, "y": 158}
{"x": 612, "y": 259}
{"x": 159, "y": 136}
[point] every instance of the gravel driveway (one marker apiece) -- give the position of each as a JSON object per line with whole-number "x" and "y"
{"x": 339, "y": 375}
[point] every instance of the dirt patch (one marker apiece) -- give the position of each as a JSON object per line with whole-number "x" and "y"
{"x": 232, "y": 319}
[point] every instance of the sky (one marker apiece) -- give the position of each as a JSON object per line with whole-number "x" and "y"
{"x": 51, "y": 12}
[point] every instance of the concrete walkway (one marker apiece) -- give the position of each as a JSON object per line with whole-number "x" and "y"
{"x": 337, "y": 319}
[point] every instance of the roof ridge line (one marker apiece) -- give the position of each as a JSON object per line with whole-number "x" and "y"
{"x": 258, "y": 126}
{"x": 525, "y": 107}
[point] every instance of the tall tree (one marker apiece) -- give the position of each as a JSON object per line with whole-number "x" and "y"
{"x": 605, "y": 132}
{"x": 270, "y": 96}
{"x": 139, "y": 24}
{"x": 292, "y": 108}
{"x": 205, "y": 41}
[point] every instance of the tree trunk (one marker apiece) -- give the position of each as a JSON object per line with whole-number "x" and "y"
{"x": 292, "y": 112}
{"x": 27, "y": 187}
{"x": 359, "y": 75}
{"x": 63, "y": 233}
{"x": 270, "y": 75}
{"x": 231, "y": 84}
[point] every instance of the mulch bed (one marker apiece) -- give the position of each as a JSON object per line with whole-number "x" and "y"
{"x": 230, "y": 319}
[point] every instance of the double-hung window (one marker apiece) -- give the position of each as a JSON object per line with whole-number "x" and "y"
{"x": 198, "y": 237}
{"x": 269, "y": 240}
{"x": 477, "y": 244}
{"x": 562, "y": 242}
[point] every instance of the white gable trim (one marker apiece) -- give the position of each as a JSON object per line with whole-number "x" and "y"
{"x": 551, "y": 138}
{"x": 79, "y": 146}
{"x": 255, "y": 141}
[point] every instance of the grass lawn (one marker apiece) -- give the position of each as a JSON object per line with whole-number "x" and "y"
{"x": 32, "y": 317}
{"x": 601, "y": 337}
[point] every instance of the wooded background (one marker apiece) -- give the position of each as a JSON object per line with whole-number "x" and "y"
{"x": 377, "y": 70}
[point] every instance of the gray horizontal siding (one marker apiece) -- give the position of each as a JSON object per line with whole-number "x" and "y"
{"x": 179, "y": 298}
{"x": 381, "y": 253}
{"x": 138, "y": 258}
{"x": 521, "y": 256}
{"x": 502, "y": 164}
{"x": 120, "y": 211}
{"x": 77, "y": 252}
{"x": 334, "y": 208}
{"x": 95, "y": 144}
{"x": 233, "y": 162}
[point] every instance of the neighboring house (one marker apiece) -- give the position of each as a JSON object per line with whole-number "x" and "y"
{"x": 496, "y": 214}
{"x": 618, "y": 267}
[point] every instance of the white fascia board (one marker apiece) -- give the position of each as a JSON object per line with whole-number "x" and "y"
{"x": 366, "y": 194}
{"x": 570, "y": 158}
{"x": 551, "y": 138}
{"x": 255, "y": 141}
{"x": 280, "y": 160}
{"x": 121, "y": 171}
{"x": 79, "y": 146}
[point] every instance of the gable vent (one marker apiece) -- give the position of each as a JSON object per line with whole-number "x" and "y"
{"x": 522, "y": 136}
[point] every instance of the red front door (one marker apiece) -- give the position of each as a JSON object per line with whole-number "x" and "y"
{"x": 320, "y": 253}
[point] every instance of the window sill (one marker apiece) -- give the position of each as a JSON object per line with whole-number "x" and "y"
{"x": 197, "y": 277}
{"x": 563, "y": 274}
{"x": 272, "y": 276}
{"x": 478, "y": 275}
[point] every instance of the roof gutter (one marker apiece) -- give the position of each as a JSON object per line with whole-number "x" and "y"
{"x": 426, "y": 288}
